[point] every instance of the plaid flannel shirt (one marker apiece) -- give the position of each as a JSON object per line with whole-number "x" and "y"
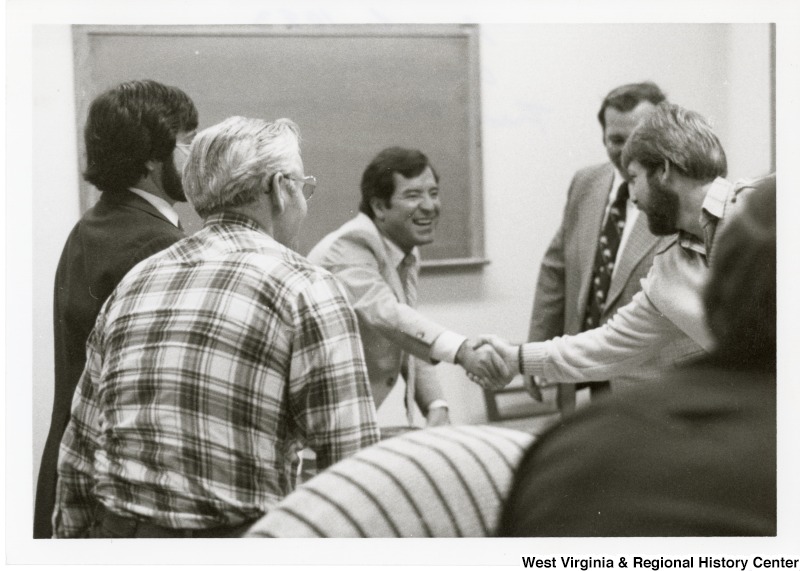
{"x": 209, "y": 367}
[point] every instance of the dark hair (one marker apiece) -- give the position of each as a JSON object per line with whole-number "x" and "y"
{"x": 377, "y": 180}
{"x": 130, "y": 124}
{"x": 682, "y": 137}
{"x": 627, "y": 97}
{"x": 740, "y": 297}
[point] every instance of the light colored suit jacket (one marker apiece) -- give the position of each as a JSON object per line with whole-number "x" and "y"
{"x": 390, "y": 328}
{"x": 562, "y": 289}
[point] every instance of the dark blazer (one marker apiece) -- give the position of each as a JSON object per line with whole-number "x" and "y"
{"x": 121, "y": 230}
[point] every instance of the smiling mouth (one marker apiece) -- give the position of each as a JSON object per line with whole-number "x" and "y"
{"x": 423, "y": 222}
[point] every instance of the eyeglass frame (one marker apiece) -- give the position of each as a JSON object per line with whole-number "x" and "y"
{"x": 309, "y": 181}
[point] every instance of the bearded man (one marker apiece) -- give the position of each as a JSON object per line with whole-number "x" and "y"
{"x": 137, "y": 138}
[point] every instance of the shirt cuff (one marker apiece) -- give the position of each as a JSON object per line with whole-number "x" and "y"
{"x": 438, "y": 403}
{"x": 532, "y": 358}
{"x": 446, "y": 346}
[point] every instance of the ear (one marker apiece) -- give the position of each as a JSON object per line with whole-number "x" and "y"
{"x": 152, "y": 166}
{"x": 666, "y": 170}
{"x": 276, "y": 192}
{"x": 378, "y": 208}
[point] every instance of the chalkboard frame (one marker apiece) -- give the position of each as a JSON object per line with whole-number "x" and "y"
{"x": 86, "y": 89}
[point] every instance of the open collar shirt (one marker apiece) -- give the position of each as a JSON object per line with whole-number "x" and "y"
{"x": 209, "y": 367}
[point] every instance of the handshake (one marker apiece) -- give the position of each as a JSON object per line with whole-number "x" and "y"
{"x": 491, "y": 362}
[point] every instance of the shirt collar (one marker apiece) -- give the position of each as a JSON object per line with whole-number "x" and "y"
{"x": 615, "y": 184}
{"x": 164, "y": 207}
{"x": 233, "y": 218}
{"x": 712, "y": 211}
{"x": 716, "y": 197}
{"x": 395, "y": 253}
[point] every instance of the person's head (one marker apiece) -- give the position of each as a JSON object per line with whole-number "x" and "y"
{"x": 235, "y": 163}
{"x": 740, "y": 296}
{"x": 133, "y": 129}
{"x": 400, "y": 192}
{"x": 620, "y": 113}
{"x": 671, "y": 143}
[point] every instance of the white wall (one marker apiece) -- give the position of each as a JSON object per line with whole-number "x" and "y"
{"x": 541, "y": 88}
{"x": 55, "y": 202}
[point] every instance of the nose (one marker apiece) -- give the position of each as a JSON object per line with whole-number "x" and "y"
{"x": 429, "y": 203}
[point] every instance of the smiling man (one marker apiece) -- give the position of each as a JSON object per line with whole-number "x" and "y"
{"x": 376, "y": 257}
{"x": 675, "y": 166}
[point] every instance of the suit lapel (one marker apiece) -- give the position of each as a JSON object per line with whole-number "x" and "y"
{"x": 590, "y": 220}
{"x": 387, "y": 269}
{"x": 639, "y": 243}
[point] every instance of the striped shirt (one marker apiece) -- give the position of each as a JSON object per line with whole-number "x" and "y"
{"x": 447, "y": 481}
{"x": 209, "y": 367}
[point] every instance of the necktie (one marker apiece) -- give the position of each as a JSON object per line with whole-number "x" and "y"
{"x": 604, "y": 260}
{"x": 407, "y": 271}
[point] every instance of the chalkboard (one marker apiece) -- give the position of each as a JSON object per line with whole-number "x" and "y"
{"x": 352, "y": 89}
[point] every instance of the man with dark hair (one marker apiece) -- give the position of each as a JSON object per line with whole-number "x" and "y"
{"x": 603, "y": 249}
{"x": 214, "y": 361}
{"x": 675, "y": 166}
{"x": 693, "y": 454}
{"x": 376, "y": 257}
{"x": 137, "y": 135}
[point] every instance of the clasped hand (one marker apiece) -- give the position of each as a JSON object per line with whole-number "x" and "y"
{"x": 510, "y": 355}
{"x": 486, "y": 361}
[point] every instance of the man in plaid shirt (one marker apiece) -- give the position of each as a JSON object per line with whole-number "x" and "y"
{"x": 215, "y": 361}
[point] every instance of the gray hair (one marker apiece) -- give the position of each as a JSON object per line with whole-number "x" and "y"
{"x": 232, "y": 162}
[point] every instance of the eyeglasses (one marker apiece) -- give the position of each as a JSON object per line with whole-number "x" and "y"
{"x": 309, "y": 184}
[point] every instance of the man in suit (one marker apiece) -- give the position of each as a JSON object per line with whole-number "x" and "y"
{"x": 571, "y": 295}
{"x": 676, "y": 166}
{"x": 699, "y": 452}
{"x": 137, "y": 136}
{"x": 376, "y": 256}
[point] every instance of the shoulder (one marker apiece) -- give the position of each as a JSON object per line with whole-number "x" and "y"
{"x": 126, "y": 222}
{"x": 594, "y": 173}
{"x": 590, "y": 182}
{"x": 301, "y": 280}
{"x": 358, "y": 240}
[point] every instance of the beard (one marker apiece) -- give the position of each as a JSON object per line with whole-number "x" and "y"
{"x": 662, "y": 212}
{"x": 171, "y": 179}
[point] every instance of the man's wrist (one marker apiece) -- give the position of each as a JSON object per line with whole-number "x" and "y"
{"x": 446, "y": 346}
{"x": 459, "y": 357}
{"x": 438, "y": 403}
